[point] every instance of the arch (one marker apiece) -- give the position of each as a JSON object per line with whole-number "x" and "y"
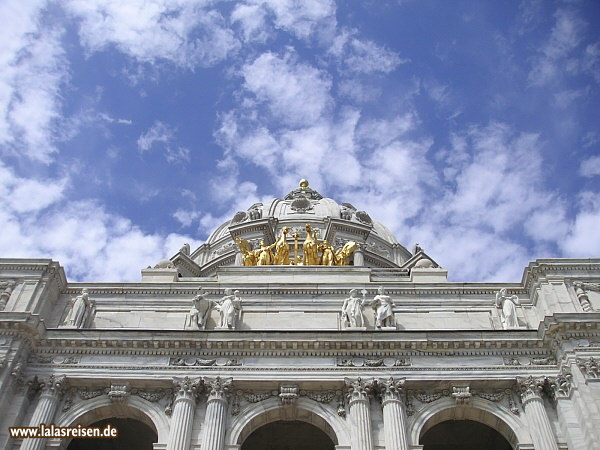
{"x": 90, "y": 411}
{"x": 489, "y": 413}
{"x": 256, "y": 415}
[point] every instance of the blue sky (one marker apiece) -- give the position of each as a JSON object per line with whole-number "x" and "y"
{"x": 129, "y": 128}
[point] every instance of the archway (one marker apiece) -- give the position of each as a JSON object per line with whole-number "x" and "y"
{"x": 463, "y": 435}
{"x": 257, "y": 415}
{"x": 288, "y": 435}
{"x": 132, "y": 434}
{"x": 102, "y": 409}
{"x": 510, "y": 426}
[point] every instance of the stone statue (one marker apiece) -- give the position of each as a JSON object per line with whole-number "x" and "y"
{"x": 310, "y": 247}
{"x": 228, "y": 307}
{"x": 352, "y": 310}
{"x": 255, "y": 211}
{"x": 382, "y": 305}
{"x": 328, "y": 257}
{"x": 80, "y": 307}
{"x": 199, "y": 311}
{"x": 508, "y": 309}
{"x": 282, "y": 248}
{"x": 7, "y": 288}
{"x": 346, "y": 211}
{"x": 185, "y": 250}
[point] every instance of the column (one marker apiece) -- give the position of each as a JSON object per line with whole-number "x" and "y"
{"x": 358, "y": 402}
{"x": 531, "y": 396}
{"x": 394, "y": 413}
{"x": 52, "y": 390}
{"x": 182, "y": 418}
{"x": 213, "y": 437}
{"x": 359, "y": 257}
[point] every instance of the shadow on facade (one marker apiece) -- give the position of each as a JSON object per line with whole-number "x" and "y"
{"x": 288, "y": 435}
{"x": 132, "y": 434}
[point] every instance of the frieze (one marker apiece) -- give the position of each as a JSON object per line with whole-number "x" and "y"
{"x": 460, "y": 394}
{"x": 530, "y": 361}
{"x": 204, "y": 362}
{"x": 373, "y": 362}
{"x": 589, "y": 367}
{"x": 290, "y": 392}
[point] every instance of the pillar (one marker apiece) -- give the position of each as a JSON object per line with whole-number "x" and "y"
{"x": 358, "y": 402}
{"x": 531, "y": 396}
{"x": 359, "y": 257}
{"x": 182, "y": 418}
{"x": 394, "y": 413}
{"x": 52, "y": 389}
{"x": 213, "y": 437}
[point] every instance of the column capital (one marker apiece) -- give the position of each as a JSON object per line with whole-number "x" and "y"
{"x": 187, "y": 388}
{"x": 561, "y": 385}
{"x": 54, "y": 385}
{"x": 531, "y": 388}
{"x": 218, "y": 388}
{"x": 358, "y": 389}
{"x": 390, "y": 389}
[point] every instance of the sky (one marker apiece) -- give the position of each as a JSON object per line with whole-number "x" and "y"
{"x": 129, "y": 128}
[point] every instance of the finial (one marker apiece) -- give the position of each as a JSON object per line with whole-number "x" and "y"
{"x": 303, "y": 183}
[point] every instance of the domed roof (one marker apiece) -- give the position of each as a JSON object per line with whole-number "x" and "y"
{"x": 338, "y": 223}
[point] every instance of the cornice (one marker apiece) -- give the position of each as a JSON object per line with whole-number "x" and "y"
{"x": 542, "y": 267}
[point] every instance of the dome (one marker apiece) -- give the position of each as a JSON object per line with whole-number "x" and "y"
{"x": 338, "y": 223}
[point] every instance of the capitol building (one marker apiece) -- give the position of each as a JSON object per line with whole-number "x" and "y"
{"x": 303, "y": 324}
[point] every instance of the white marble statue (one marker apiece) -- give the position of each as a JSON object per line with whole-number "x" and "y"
{"x": 199, "y": 311}
{"x": 508, "y": 309}
{"x": 382, "y": 305}
{"x": 352, "y": 311}
{"x": 229, "y": 307}
{"x": 80, "y": 307}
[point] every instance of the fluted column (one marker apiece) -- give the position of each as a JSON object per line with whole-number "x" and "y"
{"x": 182, "y": 418}
{"x": 394, "y": 413}
{"x": 52, "y": 389}
{"x": 358, "y": 402}
{"x": 531, "y": 396}
{"x": 216, "y": 410}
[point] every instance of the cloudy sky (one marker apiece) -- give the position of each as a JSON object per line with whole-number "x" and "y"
{"x": 130, "y": 127}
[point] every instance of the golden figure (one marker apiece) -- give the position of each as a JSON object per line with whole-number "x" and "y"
{"x": 248, "y": 256}
{"x": 310, "y": 247}
{"x": 343, "y": 254}
{"x": 328, "y": 257}
{"x": 264, "y": 255}
{"x": 282, "y": 249}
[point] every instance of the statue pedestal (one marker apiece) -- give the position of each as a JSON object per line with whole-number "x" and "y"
{"x": 387, "y": 328}
{"x": 354, "y": 329}
{"x": 224, "y": 329}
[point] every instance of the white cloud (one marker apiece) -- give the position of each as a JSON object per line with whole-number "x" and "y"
{"x": 560, "y": 53}
{"x": 185, "y": 216}
{"x": 90, "y": 242}
{"x": 295, "y": 93}
{"x": 177, "y": 31}
{"x": 362, "y": 55}
{"x": 590, "y": 167}
{"x": 583, "y": 239}
{"x": 161, "y": 135}
{"x": 33, "y": 71}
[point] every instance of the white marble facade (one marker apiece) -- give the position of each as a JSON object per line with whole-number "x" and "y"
{"x": 205, "y": 350}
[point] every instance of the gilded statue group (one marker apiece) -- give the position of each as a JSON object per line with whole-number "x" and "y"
{"x": 314, "y": 252}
